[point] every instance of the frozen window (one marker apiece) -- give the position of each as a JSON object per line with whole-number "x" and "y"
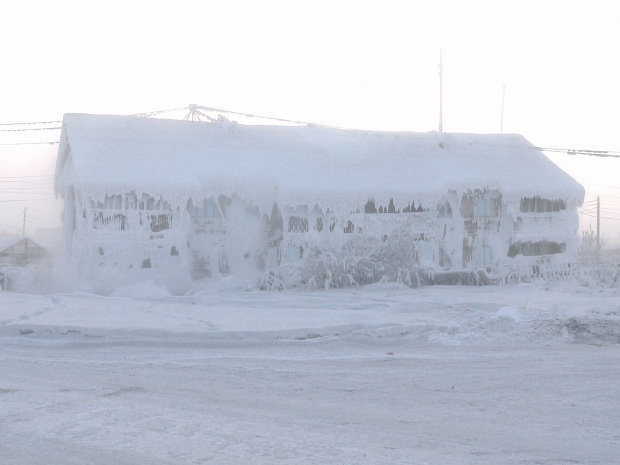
{"x": 444, "y": 258}
{"x": 411, "y": 208}
{"x": 224, "y": 266}
{"x": 539, "y": 205}
{"x": 210, "y": 208}
{"x": 425, "y": 250}
{"x": 529, "y": 248}
{"x": 118, "y": 221}
{"x": 112, "y": 201}
{"x": 160, "y": 222}
{"x": 131, "y": 200}
{"x": 444, "y": 210}
{"x": 297, "y": 224}
{"x": 484, "y": 208}
{"x": 370, "y": 206}
{"x": 480, "y": 205}
{"x": 391, "y": 208}
{"x": 484, "y": 255}
{"x": 294, "y": 253}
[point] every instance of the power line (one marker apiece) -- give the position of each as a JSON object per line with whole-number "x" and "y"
{"x": 609, "y": 196}
{"x": 25, "y": 181}
{"x": 592, "y": 153}
{"x": 30, "y": 129}
{"x": 27, "y": 200}
{"x": 27, "y": 185}
{"x": 600, "y": 185}
{"x": 599, "y": 153}
{"x": 22, "y": 192}
{"x": 157, "y": 112}
{"x": 602, "y": 217}
{"x": 30, "y": 176}
{"x": 31, "y": 143}
{"x": 588, "y": 152}
{"x": 27, "y": 123}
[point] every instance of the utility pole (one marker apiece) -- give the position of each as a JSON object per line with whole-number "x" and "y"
{"x": 440, "y": 92}
{"x": 598, "y": 227}
{"x": 501, "y": 125}
{"x": 24, "y": 227}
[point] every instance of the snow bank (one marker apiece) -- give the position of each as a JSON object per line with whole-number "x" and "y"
{"x": 383, "y": 313}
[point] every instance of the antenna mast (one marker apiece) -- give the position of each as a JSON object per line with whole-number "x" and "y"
{"x": 440, "y": 93}
{"x": 195, "y": 114}
{"x": 501, "y": 125}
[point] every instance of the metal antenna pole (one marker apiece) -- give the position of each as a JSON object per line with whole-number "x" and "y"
{"x": 598, "y": 227}
{"x": 501, "y": 126}
{"x": 195, "y": 113}
{"x": 440, "y": 92}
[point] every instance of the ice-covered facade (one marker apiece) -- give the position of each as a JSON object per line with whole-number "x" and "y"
{"x": 154, "y": 196}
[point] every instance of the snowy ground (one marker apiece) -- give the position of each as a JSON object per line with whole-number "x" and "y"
{"x": 382, "y": 374}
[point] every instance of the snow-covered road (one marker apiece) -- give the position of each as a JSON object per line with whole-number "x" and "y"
{"x": 381, "y": 374}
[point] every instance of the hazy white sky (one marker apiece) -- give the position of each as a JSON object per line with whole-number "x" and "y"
{"x": 355, "y": 64}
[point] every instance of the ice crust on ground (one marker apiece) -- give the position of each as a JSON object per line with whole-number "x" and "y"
{"x": 384, "y": 373}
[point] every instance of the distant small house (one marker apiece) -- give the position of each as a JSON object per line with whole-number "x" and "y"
{"x": 21, "y": 251}
{"x": 213, "y": 199}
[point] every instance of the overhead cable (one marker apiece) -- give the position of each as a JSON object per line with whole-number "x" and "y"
{"x": 30, "y": 143}
{"x": 31, "y": 129}
{"x": 36, "y": 122}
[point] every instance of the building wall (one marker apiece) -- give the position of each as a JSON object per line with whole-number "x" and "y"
{"x": 142, "y": 235}
{"x": 477, "y": 229}
{"x": 124, "y": 232}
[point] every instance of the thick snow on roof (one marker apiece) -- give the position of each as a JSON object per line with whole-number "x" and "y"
{"x": 6, "y": 242}
{"x": 304, "y": 162}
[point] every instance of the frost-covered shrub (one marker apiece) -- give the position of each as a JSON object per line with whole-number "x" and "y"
{"x": 598, "y": 266}
{"x": 270, "y": 281}
{"x": 18, "y": 279}
{"x": 590, "y": 248}
{"x": 361, "y": 260}
{"x": 352, "y": 264}
{"x": 605, "y": 274}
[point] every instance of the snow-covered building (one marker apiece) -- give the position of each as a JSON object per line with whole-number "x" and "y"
{"x": 22, "y": 251}
{"x": 211, "y": 199}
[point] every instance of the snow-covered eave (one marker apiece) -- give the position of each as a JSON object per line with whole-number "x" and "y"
{"x": 340, "y": 199}
{"x": 426, "y": 197}
{"x": 178, "y": 194}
